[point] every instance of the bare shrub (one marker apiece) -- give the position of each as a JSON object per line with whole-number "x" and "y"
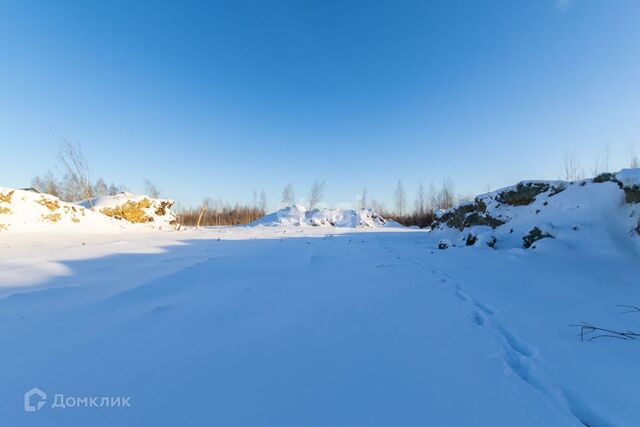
{"x": 77, "y": 179}
{"x": 590, "y": 332}
{"x": 571, "y": 168}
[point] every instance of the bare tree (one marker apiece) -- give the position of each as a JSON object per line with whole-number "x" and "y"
{"x": 77, "y": 173}
{"x": 432, "y": 198}
{"x": 363, "y": 199}
{"x": 400, "y": 198}
{"x": 446, "y": 195}
{"x": 263, "y": 202}
{"x": 100, "y": 188}
{"x": 379, "y": 207}
{"x": 150, "y": 189}
{"x": 206, "y": 204}
{"x": 215, "y": 212}
{"x": 47, "y": 184}
{"x": 632, "y": 158}
{"x": 115, "y": 189}
{"x": 288, "y": 195}
{"x": 601, "y": 163}
{"x": 605, "y": 158}
{"x": 316, "y": 194}
{"x": 421, "y": 201}
{"x": 464, "y": 198}
{"x": 254, "y": 199}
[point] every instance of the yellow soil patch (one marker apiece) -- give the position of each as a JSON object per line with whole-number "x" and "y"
{"x": 73, "y": 210}
{"x": 130, "y": 211}
{"x": 54, "y": 217}
{"x": 4, "y": 210}
{"x": 52, "y": 205}
{"x": 161, "y": 210}
{"x": 6, "y": 197}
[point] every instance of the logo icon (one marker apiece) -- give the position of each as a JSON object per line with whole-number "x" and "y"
{"x": 34, "y": 400}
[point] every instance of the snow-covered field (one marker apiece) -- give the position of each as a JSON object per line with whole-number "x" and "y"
{"x": 309, "y": 326}
{"x": 290, "y": 325}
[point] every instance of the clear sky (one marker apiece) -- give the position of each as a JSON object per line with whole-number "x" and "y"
{"x": 220, "y": 98}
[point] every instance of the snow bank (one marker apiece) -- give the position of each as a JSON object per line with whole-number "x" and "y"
{"x": 600, "y": 213}
{"x": 29, "y": 211}
{"x": 135, "y": 208}
{"x": 348, "y": 218}
{"x": 628, "y": 177}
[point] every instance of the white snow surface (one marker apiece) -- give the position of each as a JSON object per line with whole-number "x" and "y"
{"x": 629, "y": 177}
{"x": 300, "y": 325}
{"x": 299, "y": 216}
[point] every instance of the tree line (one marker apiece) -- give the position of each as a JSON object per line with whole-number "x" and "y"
{"x": 76, "y": 184}
{"x": 421, "y": 213}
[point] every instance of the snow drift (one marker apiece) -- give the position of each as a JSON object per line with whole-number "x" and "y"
{"x": 29, "y": 211}
{"x": 135, "y": 208}
{"x": 300, "y": 216}
{"x": 600, "y": 212}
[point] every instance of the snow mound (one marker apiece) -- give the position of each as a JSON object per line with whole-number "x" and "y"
{"x": 602, "y": 213}
{"x": 30, "y": 211}
{"x": 135, "y": 208}
{"x": 628, "y": 177}
{"x": 348, "y": 218}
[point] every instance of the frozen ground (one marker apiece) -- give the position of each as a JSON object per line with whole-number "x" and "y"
{"x": 290, "y": 326}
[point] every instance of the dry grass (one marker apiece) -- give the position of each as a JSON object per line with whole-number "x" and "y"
{"x": 4, "y": 227}
{"x": 130, "y": 211}
{"x": 4, "y": 210}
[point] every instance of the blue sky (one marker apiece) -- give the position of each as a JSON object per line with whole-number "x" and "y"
{"x": 221, "y": 98}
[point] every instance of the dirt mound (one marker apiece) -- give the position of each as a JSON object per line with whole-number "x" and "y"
{"x": 30, "y": 211}
{"x": 135, "y": 208}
